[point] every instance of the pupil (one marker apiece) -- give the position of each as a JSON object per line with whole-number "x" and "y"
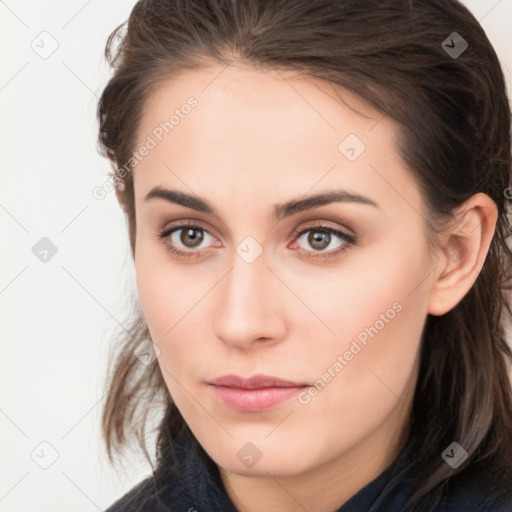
{"x": 319, "y": 239}
{"x": 196, "y": 240}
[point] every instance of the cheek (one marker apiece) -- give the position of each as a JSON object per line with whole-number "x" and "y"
{"x": 366, "y": 292}
{"x": 379, "y": 323}
{"x": 165, "y": 291}
{"x": 165, "y": 305}
{"x": 375, "y": 311}
{"x": 154, "y": 302}
{"x": 149, "y": 291}
{"x": 172, "y": 298}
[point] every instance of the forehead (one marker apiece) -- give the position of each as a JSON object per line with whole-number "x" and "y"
{"x": 251, "y": 128}
{"x": 271, "y": 96}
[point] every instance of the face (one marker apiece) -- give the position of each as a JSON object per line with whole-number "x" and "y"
{"x": 256, "y": 279}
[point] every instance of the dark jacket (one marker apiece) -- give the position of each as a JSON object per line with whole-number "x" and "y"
{"x": 195, "y": 488}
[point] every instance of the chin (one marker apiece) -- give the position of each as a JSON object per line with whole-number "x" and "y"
{"x": 261, "y": 469}
{"x": 283, "y": 462}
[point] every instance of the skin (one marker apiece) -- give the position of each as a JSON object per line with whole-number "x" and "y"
{"x": 254, "y": 140}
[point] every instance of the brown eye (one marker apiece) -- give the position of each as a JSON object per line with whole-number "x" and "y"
{"x": 184, "y": 240}
{"x": 191, "y": 237}
{"x": 319, "y": 238}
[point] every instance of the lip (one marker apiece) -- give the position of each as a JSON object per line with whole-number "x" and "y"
{"x": 256, "y": 393}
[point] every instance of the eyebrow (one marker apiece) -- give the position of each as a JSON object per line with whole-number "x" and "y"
{"x": 280, "y": 211}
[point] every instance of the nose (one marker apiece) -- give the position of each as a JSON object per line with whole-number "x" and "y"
{"x": 249, "y": 305}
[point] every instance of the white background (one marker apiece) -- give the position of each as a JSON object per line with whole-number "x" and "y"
{"x": 57, "y": 316}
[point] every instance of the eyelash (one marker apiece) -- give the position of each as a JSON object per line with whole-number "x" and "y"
{"x": 347, "y": 239}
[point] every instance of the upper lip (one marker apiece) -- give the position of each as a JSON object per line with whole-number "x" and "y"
{"x": 254, "y": 382}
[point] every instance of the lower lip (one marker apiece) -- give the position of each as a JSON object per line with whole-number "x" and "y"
{"x": 253, "y": 400}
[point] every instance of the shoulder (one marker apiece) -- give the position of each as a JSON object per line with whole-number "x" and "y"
{"x": 172, "y": 495}
{"x": 141, "y": 498}
{"x": 476, "y": 491}
{"x": 470, "y": 501}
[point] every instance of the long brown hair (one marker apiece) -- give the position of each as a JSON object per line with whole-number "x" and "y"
{"x": 454, "y": 134}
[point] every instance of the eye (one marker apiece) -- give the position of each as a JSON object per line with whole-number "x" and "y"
{"x": 321, "y": 237}
{"x": 191, "y": 236}
{"x": 187, "y": 235}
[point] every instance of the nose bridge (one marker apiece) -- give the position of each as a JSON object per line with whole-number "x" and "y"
{"x": 247, "y": 300}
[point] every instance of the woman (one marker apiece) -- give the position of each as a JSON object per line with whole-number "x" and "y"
{"x": 316, "y": 195}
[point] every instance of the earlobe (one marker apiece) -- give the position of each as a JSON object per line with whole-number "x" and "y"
{"x": 462, "y": 254}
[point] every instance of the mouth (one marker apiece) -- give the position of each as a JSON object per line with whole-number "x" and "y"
{"x": 257, "y": 393}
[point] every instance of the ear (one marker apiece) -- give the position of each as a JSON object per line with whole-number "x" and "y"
{"x": 462, "y": 252}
